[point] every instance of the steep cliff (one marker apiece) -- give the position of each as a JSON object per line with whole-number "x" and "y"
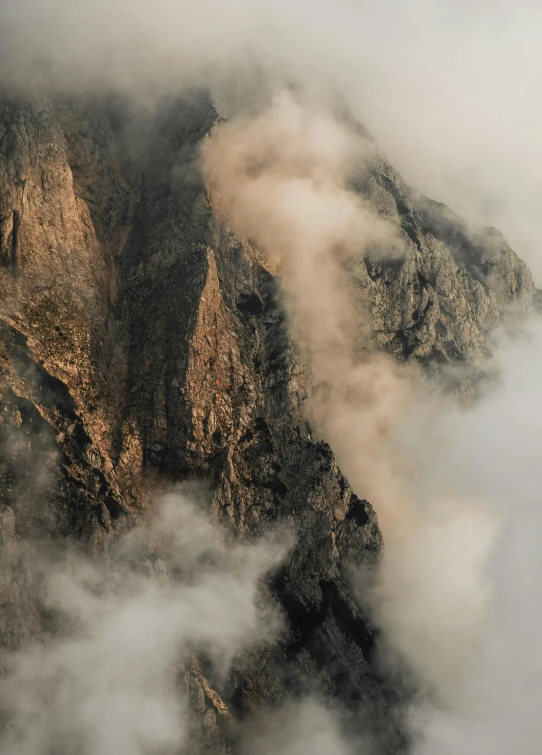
{"x": 143, "y": 345}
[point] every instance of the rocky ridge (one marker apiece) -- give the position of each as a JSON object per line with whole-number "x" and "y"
{"x": 143, "y": 345}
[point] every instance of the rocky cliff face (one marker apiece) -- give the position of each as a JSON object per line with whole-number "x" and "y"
{"x": 142, "y": 345}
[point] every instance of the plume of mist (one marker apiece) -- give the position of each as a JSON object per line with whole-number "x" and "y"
{"x": 300, "y": 727}
{"x": 281, "y": 179}
{"x": 109, "y": 682}
{"x": 451, "y": 592}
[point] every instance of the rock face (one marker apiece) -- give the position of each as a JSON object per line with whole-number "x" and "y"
{"x": 142, "y": 345}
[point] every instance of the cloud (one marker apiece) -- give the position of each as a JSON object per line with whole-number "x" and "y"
{"x": 109, "y": 680}
{"x": 305, "y": 726}
{"x": 494, "y": 447}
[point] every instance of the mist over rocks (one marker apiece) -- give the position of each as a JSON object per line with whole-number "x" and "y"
{"x": 146, "y": 344}
{"x": 266, "y": 454}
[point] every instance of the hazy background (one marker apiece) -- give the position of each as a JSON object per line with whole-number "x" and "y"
{"x": 495, "y": 448}
{"x": 451, "y": 89}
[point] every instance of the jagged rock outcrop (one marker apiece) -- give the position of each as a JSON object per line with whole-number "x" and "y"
{"x": 142, "y": 345}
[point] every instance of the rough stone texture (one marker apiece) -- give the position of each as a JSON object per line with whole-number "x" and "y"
{"x": 142, "y": 345}
{"x": 439, "y": 302}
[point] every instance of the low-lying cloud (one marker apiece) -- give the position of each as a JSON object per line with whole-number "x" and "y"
{"x": 109, "y": 681}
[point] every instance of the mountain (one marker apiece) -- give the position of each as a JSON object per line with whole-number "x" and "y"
{"x": 143, "y": 346}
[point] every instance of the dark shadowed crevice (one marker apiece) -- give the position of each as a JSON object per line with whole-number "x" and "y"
{"x": 357, "y": 510}
{"x": 250, "y": 304}
{"x": 15, "y": 241}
